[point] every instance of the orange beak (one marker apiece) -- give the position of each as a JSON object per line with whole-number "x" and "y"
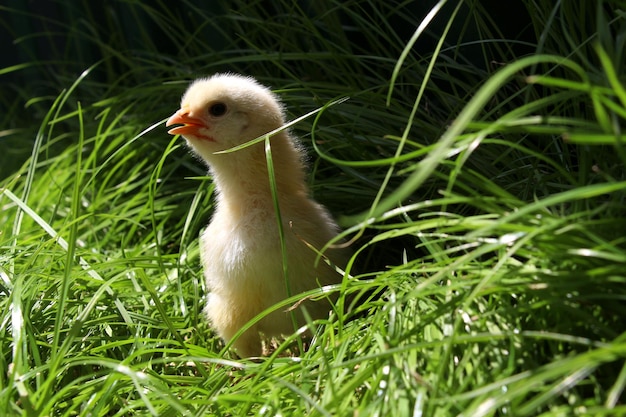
{"x": 190, "y": 125}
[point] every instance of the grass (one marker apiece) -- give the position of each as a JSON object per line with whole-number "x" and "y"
{"x": 478, "y": 163}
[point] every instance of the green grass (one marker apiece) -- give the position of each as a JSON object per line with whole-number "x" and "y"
{"x": 478, "y": 164}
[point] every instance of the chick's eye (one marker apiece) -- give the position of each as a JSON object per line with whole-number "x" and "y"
{"x": 217, "y": 109}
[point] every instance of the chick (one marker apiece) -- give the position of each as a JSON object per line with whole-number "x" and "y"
{"x": 241, "y": 249}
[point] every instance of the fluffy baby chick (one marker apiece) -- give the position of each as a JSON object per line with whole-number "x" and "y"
{"x": 240, "y": 249}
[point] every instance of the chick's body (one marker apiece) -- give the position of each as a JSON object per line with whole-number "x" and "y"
{"x": 241, "y": 249}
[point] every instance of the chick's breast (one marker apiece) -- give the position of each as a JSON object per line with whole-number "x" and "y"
{"x": 243, "y": 264}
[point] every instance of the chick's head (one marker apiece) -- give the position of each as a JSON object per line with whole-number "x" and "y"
{"x": 223, "y": 111}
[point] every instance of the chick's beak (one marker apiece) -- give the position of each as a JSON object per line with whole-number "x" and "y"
{"x": 191, "y": 126}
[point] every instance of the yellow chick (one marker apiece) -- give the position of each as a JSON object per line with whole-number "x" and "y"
{"x": 240, "y": 249}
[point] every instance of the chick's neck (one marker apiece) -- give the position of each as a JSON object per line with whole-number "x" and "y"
{"x": 242, "y": 177}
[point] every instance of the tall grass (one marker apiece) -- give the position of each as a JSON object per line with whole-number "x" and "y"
{"x": 478, "y": 166}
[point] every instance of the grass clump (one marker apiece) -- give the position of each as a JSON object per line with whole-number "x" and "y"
{"x": 478, "y": 165}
